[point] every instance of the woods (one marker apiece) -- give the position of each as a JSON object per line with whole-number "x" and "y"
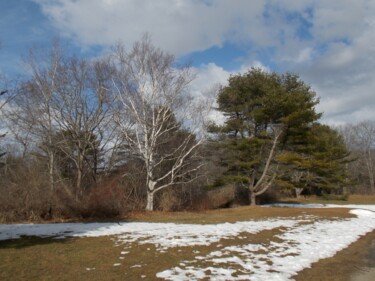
{"x": 103, "y": 137}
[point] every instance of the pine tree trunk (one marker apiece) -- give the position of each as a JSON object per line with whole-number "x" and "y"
{"x": 252, "y": 198}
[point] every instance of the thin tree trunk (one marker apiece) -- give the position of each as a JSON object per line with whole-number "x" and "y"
{"x": 51, "y": 171}
{"x": 150, "y": 201}
{"x": 79, "y": 181}
{"x": 298, "y": 192}
{"x": 79, "y": 173}
{"x": 51, "y": 181}
{"x": 252, "y": 198}
{"x": 370, "y": 171}
{"x": 259, "y": 183}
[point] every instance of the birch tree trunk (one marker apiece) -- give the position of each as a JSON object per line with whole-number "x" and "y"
{"x": 154, "y": 105}
{"x": 150, "y": 201}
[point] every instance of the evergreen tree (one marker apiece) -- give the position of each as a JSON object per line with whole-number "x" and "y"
{"x": 263, "y": 111}
{"x": 318, "y": 163}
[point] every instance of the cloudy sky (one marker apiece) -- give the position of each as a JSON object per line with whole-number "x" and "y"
{"x": 330, "y": 44}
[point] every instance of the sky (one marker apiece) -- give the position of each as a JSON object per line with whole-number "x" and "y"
{"x": 329, "y": 44}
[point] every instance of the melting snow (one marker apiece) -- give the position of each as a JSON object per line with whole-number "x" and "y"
{"x": 300, "y": 242}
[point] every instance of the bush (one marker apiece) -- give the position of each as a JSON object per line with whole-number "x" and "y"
{"x": 340, "y": 197}
{"x": 24, "y": 196}
{"x": 168, "y": 200}
{"x": 272, "y": 195}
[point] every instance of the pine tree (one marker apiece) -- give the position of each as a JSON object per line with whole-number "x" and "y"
{"x": 263, "y": 112}
{"x": 318, "y": 163}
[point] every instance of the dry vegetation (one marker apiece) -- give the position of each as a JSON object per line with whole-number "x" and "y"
{"x": 351, "y": 199}
{"x": 31, "y": 258}
{"x": 102, "y": 139}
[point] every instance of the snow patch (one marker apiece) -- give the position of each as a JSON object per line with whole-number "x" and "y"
{"x": 301, "y": 246}
{"x": 301, "y": 241}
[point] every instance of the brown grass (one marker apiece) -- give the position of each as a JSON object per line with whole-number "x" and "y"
{"x": 353, "y": 199}
{"x": 344, "y": 265}
{"x": 235, "y": 214}
{"x": 32, "y": 258}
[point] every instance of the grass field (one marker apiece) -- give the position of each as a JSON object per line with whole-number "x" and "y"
{"x": 352, "y": 199}
{"x": 112, "y": 258}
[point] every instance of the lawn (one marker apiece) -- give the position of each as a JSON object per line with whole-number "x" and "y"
{"x": 352, "y": 199}
{"x": 246, "y": 243}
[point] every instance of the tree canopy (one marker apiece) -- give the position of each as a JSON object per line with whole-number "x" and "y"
{"x": 318, "y": 163}
{"x": 266, "y": 114}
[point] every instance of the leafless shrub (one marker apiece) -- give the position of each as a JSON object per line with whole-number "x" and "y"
{"x": 24, "y": 195}
{"x": 222, "y": 196}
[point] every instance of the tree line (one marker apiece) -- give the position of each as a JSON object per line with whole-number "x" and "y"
{"x": 123, "y": 132}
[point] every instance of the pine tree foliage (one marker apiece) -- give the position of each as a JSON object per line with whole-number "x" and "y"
{"x": 317, "y": 164}
{"x": 263, "y": 111}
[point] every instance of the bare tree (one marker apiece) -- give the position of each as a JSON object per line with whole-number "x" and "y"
{"x": 2, "y": 104}
{"x": 360, "y": 139}
{"x": 151, "y": 93}
{"x": 5, "y": 97}
{"x": 64, "y": 110}
{"x": 83, "y": 115}
{"x": 31, "y": 115}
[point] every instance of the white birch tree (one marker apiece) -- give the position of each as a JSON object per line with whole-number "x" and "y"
{"x": 151, "y": 92}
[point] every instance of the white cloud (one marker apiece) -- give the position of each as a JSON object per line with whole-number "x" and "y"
{"x": 177, "y": 26}
{"x": 304, "y": 56}
{"x": 334, "y": 20}
{"x": 330, "y": 43}
{"x": 204, "y": 88}
{"x": 209, "y": 77}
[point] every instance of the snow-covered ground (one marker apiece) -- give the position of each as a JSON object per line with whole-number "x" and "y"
{"x": 300, "y": 242}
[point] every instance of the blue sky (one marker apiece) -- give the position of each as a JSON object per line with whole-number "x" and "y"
{"x": 330, "y": 44}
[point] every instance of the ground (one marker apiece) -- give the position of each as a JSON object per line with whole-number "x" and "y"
{"x": 246, "y": 243}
